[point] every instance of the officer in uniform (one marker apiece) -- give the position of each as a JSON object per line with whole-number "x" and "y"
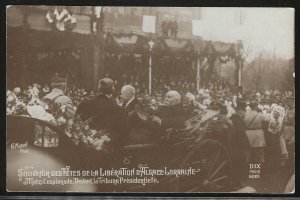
{"x": 289, "y": 121}
{"x": 254, "y": 122}
{"x": 289, "y": 132}
{"x": 57, "y": 97}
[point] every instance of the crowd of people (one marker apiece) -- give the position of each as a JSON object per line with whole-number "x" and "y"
{"x": 263, "y": 121}
{"x": 167, "y": 74}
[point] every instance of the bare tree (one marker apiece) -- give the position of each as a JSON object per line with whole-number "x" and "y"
{"x": 268, "y": 72}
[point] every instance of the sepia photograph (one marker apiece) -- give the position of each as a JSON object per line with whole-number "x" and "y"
{"x": 115, "y": 99}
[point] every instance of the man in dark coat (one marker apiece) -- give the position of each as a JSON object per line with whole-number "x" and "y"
{"x": 137, "y": 135}
{"x": 129, "y": 102}
{"x": 128, "y": 98}
{"x": 239, "y": 143}
{"x": 104, "y": 113}
{"x": 171, "y": 115}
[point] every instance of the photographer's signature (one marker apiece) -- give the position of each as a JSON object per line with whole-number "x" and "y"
{"x": 23, "y": 147}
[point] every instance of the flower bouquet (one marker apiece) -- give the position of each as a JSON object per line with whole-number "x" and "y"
{"x": 81, "y": 133}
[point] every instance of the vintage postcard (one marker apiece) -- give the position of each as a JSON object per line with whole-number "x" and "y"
{"x": 150, "y": 99}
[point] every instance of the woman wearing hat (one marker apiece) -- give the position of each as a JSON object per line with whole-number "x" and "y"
{"x": 276, "y": 149}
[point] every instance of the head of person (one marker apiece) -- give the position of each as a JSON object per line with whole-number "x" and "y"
{"x": 290, "y": 101}
{"x": 153, "y": 101}
{"x": 8, "y": 92}
{"x": 127, "y": 93}
{"x": 266, "y": 108}
{"x": 10, "y": 101}
{"x": 254, "y": 105}
{"x": 17, "y": 91}
{"x": 188, "y": 99}
{"x": 257, "y": 95}
{"x": 206, "y": 103}
{"x": 172, "y": 98}
{"x": 106, "y": 86}
{"x": 277, "y": 112}
{"x": 234, "y": 98}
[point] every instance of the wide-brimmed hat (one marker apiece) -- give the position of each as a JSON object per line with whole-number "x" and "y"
{"x": 54, "y": 93}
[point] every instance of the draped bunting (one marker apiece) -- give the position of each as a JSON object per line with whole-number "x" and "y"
{"x": 174, "y": 47}
{"x": 219, "y": 49}
{"x": 129, "y": 43}
{"x": 124, "y": 43}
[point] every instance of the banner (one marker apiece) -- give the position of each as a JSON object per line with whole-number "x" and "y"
{"x": 149, "y": 23}
{"x": 196, "y": 24}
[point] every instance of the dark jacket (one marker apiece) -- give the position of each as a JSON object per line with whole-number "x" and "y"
{"x": 171, "y": 116}
{"x": 106, "y": 115}
{"x": 133, "y": 120}
{"x": 130, "y": 107}
{"x": 239, "y": 136}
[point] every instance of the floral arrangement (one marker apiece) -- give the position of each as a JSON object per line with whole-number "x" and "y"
{"x": 18, "y": 109}
{"x": 81, "y": 133}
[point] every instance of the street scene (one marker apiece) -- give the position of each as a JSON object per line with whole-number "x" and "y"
{"x": 150, "y": 99}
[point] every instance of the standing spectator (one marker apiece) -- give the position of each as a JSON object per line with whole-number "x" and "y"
{"x": 289, "y": 120}
{"x": 254, "y": 122}
{"x": 276, "y": 151}
{"x": 165, "y": 28}
{"x": 239, "y": 142}
{"x": 173, "y": 27}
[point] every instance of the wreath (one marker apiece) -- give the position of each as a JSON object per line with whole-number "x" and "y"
{"x": 62, "y": 21}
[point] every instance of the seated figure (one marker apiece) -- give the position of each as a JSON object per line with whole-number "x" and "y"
{"x": 171, "y": 115}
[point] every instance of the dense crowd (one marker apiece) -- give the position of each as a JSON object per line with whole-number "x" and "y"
{"x": 166, "y": 75}
{"x": 266, "y": 99}
{"x": 266, "y": 117}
